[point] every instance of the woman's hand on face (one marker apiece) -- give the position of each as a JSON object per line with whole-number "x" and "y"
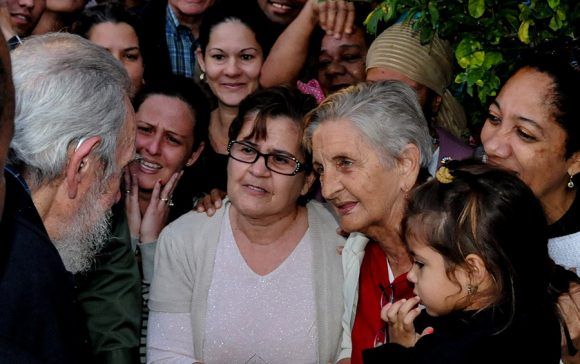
{"x": 400, "y": 316}
{"x": 210, "y": 203}
{"x": 155, "y": 217}
{"x": 335, "y": 17}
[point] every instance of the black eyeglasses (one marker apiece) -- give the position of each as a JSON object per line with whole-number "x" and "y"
{"x": 279, "y": 163}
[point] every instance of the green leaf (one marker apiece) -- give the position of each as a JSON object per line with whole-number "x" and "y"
{"x": 465, "y": 53}
{"x": 426, "y": 35}
{"x": 492, "y": 59}
{"x": 553, "y": 3}
{"x": 372, "y": 20}
{"x": 524, "y": 32}
{"x": 476, "y": 8}
{"x": 561, "y": 14}
{"x": 434, "y": 12}
{"x": 555, "y": 23}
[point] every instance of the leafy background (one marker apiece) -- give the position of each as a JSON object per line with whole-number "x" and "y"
{"x": 486, "y": 37}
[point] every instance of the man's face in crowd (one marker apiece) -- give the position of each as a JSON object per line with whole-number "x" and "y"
{"x": 25, "y": 14}
{"x": 89, "y": 230}
{"x": 281, "y": 11}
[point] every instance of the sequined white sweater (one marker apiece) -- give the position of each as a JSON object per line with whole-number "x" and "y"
{"x": 184, "y": 264}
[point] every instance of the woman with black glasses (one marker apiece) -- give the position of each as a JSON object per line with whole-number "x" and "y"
{"x": 261, "y": 280}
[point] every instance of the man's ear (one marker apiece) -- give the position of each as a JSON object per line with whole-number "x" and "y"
{"x": 78, "y": 164}
{"x": 195, "y": 155}
{"x": 409, "y": 163}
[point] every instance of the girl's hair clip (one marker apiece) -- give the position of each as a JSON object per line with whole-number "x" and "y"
{"x": 444, "y": 175}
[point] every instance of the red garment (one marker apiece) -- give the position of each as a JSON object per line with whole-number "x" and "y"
{"x": 373, "y": 281}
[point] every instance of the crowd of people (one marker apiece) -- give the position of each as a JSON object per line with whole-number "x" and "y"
{"x": 222, "y": 181}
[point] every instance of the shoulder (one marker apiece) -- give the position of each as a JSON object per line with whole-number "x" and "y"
{"x": 322, "y": 221}
{"x": 194, "y": 228}
{"x": 321, "y": 212}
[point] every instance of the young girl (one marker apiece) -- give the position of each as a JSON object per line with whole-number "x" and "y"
{"x": 481, "y": 270}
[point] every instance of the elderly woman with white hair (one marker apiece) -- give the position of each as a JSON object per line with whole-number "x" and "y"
{"x": 397, "y": 54}
{"x": 370, "y": 146}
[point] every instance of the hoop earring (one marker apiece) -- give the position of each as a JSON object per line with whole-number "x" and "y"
{"x": 571, "y": 183}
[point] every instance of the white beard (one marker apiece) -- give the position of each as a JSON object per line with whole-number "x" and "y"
{"x": 85, "y": 235}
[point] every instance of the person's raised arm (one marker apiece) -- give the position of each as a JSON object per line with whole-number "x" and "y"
{"x": 290, "y": 51}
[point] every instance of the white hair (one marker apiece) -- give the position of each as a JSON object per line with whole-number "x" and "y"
{"x": 386, "y": 113}
{"x": 86, "y": 234}
{"x": 67, "y": 88}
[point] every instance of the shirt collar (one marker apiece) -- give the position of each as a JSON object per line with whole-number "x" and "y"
{"x": 171, "y": 17}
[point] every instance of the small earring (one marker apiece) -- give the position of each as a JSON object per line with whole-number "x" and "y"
{"x": 202, "y": 76}
{"x": 571, "y": 183}
{"x": 471, "y": 289}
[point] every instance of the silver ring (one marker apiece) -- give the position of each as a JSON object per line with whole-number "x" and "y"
{"x": 164, "y": 199}
{"x": 127, "y": 191}
{"x": 170, "y": 203}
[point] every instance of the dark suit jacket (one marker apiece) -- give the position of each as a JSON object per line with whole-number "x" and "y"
{"x": 39, "y": 320}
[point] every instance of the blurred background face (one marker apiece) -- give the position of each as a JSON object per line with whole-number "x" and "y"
{"x": 121, "y": 40}
{"x": 65, "y": 6}
{"x": 342, "y": 61}
{"x": 281, "y": 11}
{"x": 232, "y": 62}
{"x": 164, "y": 139}
{"x": 254, "y": 189}
{"x": 386, "y": 74}
{"x": 24, "y": 15}
{"x": 189, "y": 8}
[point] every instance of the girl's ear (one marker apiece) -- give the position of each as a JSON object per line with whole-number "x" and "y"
{"x": 477, "y": 271}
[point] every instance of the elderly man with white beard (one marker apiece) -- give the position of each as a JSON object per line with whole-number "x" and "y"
{"x": 74, "y": 134}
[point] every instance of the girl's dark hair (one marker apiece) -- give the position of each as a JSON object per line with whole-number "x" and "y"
{"x": 560, "y": 60}
{"x": 104, "y": 13}
{"x": 186, "y": 90}
{"x": 493, "y": 214}
{"x": 222, "y": 12}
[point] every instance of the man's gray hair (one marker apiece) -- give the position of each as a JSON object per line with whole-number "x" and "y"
{"x": 67, "y": 88}
{"x": 386, "y": 113}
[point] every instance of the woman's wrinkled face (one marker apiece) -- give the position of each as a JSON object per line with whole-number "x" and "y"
{"x": 363, "y": 190}
{"x": 121, "y": 40}
{"x": 164, "y": 139}
{"x": 257, "y": 191}
{"x": 341, "y": 62}
{"x": 232, "y": 62}
{"x": 520, "y": 134}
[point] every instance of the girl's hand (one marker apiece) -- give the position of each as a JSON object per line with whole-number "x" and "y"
{"x": 400, "y": 316}
{"x": 155, "y": 217}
